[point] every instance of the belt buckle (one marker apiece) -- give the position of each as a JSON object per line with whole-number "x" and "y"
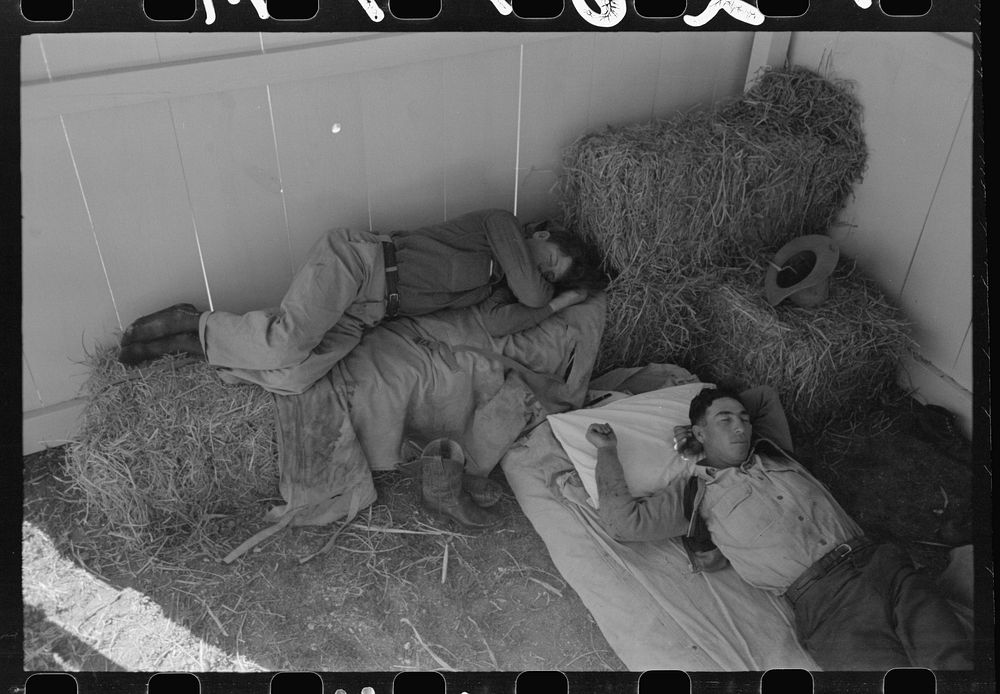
{"x": 392, "y": 304}
{"x": 841, "y": 550}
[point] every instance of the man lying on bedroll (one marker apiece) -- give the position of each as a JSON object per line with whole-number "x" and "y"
{"x": 858, "y": 604}
{"x": 352, "y": 280}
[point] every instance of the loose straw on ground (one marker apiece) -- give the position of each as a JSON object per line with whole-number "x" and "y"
{"x": 443, "y": 664}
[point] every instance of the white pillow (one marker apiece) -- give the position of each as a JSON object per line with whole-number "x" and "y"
{"x": 644, "y": 425}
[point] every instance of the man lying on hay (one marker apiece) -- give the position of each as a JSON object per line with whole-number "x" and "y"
{"x": 352, "y": 280}
{"x": 517, "y": 276}
{"x": 440, "y": 376}
{"x": 858, "y": 604}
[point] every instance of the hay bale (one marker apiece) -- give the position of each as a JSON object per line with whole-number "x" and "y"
{"x": 670, "y": 202}
{"x": 161, "y": 447}
{"x": 831, "y": 361}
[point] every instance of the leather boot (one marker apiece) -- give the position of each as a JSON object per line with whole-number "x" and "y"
{"x": 484, "y": 491}
{"x": 441, "y": 469}
{"x": 139, "y": 352}
{"x": 179, "y": 318}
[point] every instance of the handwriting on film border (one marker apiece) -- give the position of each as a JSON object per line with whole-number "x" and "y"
{"x": 611, "y": 11}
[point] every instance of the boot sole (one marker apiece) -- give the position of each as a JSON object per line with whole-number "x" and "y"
{"x": 155, "y": 326}
{"x": 452, "y": 519}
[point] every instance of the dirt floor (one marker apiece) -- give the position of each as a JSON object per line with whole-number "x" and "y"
{"x": 400, "y": 590}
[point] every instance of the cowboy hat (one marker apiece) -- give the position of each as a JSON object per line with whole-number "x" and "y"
{"x": 800, "y": 271}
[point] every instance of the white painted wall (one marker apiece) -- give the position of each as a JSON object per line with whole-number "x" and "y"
{"x": 160, "y": 168}
{"x": 165, "y": 167}
{"x": 910, "y": 224}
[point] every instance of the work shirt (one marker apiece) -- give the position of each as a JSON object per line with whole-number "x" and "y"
{"x": 770, "y": 518}
{"x": 460, "y": 262}
{"x": 662, "y": 515}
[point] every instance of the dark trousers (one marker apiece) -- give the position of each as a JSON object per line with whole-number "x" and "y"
{"x": 874, "y": 611}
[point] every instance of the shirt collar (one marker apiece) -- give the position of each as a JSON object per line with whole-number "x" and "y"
{"x": 709, "y": 472}
{"x": 777, "y": 458}
{"x": 762, "y": 460}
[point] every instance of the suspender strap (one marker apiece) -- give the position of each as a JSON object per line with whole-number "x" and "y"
{"x": 391, "y": 279}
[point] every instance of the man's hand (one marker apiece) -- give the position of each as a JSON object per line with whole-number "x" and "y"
{"x": 566, "y": 299}
{"x": 685, "y": 443}
{"x": 602, "y": 436}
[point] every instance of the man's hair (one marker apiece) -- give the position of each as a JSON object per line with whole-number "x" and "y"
{"x": 702, "y": 401}
{"x": 587, "y": 271}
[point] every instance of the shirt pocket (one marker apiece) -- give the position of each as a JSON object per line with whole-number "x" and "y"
{"x": 742, "y": 514}
{"x": 468, "y": 271}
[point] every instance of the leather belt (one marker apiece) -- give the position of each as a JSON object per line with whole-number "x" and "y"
{"x": 825, "y": 564}
{"x": 391, "y": 279}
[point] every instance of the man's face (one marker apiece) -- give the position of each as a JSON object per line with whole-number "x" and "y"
{"x": 725, "y": 433}
{"x": 551, "y": 261}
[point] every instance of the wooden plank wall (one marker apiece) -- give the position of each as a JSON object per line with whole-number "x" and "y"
{"x": 910, "y": 223}
{"x": 160, "y": 168}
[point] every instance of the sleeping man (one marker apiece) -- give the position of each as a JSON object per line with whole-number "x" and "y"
{"x": 858, "y": 604}
{"x": 353, "y": 280}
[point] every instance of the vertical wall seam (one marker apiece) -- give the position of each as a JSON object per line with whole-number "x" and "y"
{"x": 965, "y": 339}
{"x": 24, "y": 357}
{"x": 187, "y": 191}
{"x": 368, "y": 200}
{"x": 517, "y": 146}
{"x": 31, "y": 375}
{"x": 90, "y": 221}
{"x": 45, "y": 58}
{"x": 281, "y": 183}
{"x": 362, "y": 98}
{"x": 937, "y": 186}
{"x": 590, "y": 84}
{"x": 444, "y": 104}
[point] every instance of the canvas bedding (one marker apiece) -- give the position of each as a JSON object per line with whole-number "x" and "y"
{"x": 419, "y": 378}
{"x": 654, "y": 610}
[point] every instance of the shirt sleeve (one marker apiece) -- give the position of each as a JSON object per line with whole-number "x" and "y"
{"x": 655, "y": 517}
{"x": 503, "y": 314}
{"x": 510, "y": 250}
{"x": 767, "y": 416}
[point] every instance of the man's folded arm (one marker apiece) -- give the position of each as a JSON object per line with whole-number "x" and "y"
{"x": 510, "y": 249}
{"x": 767, "y": 415}
{"x": 503, "y": 314}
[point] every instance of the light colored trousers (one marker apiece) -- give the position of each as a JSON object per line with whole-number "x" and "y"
{"x": 337, "y": 294}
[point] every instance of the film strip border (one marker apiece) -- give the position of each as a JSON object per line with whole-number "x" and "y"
{"x": 492, "y": 15}
{"x": 898, "y": 681}
{"x": 393, "y": 15}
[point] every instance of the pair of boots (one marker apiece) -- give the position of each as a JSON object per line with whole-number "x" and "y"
{"x": 173, "y": 330}
{"x": 448, "y": 490}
